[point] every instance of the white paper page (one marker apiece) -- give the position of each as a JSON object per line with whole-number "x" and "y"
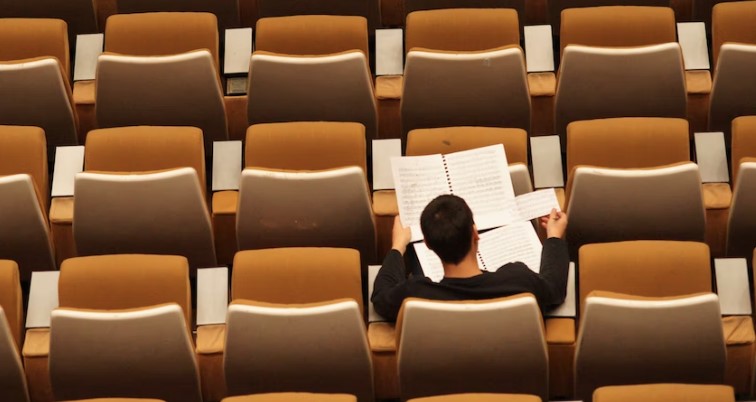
{"x": 539, "y": 48}
{"x": 429, "y": 262}
{"x": 537, "y": 203}
{"x": 712, "y": 157}
{"x": 418, "y": 180}
{"x": 43, "y": 298}
{"x": 212, "y": 295}
{"x": 515, "y": 242}
{"x": 68, "y": 162}
{"x": 372, "y": 273}
{"x": 695, "y": 50}
{"x": 568, "y": 308}
{"x": 547, "y": 161}
{"x": 238, "y": 51}
{"x": 88, "y": 48}
{"x": 227, "y": 165}
{"x": 481, "y": 177}
{"x": 389, "y": 51}
{"x": 383, "y": 151}
{"x": 732, "y": 286}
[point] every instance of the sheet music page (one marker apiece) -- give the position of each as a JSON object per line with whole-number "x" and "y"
{"x": 429, "y": 262}
{"x": 515, "y": 242}
{"x": 536, "y": 204}
{"x": 418, "y": 180}
{"x": 481, "y": 177}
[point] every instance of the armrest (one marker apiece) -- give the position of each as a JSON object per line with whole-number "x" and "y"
{"x": 567, "y": 309}
{"x": 712, "y": 157}
{"x": 225, "y": 202}
{"x": 385, "y": 204}
{"x": 389, "y": 87}
{"x": 560, "y": 331}
{"x": 84, "y": 92}
{"x": 212, "y": 295}
{"x": 382, "y": 337}
{"x": 542, "y": 84}
{"x": 539, "y": 48}
{"x": 43, "y": 298}
{"x": 227, "y": 165}
{"x": 547, "y": 161}
{"x": 88, "y": 49}
{"x": 389, "y": 52}
{"x": 717, "y": 195}
{"x": 732, "y": 286}
{"x": 698, "y": 82}
{"x": 383, "y": 151}
{"x": 68, "y": 162}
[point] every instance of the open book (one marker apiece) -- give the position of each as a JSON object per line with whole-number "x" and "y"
{"x": 515, "y": 242}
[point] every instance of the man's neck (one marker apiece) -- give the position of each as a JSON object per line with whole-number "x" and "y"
{"x": 466, "y": 268}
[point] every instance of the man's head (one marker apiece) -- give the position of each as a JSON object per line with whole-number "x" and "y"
{"x": 447, "y": 225}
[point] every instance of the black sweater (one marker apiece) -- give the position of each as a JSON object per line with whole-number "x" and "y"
{"x": 549, "y": 287}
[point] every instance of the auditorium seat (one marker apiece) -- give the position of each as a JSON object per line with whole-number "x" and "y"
{"x": 226, "y": 11}
{"x": 312, "y": 34}
{"x": 11, "y": 300}
{"x": 743, "y": 150}
{"x": 23, "y": 150}
{"x": 292, "y": 397}
{"x": 487, "y": 346}
{"x": 12, "y": 379}
{"x": 490, "y": 6}
{"x": 673, "y": 340}
{"x": 79, "y": 15}
{"x": 27, "y": 38}
{"x": 148, "y": 213}
{"x": 318, "y": 347}
{"x": 478, "y": 398}
{"x": 368, "y": 9}
{"x": 733, "y": 90}
{"x": 665, "y": 393}
{"x": 732, "y": 22}
{"x": 741, "y": 233}
{"x": 89, "y": 351}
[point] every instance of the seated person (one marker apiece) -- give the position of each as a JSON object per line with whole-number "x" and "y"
{"x": 448, "y": 228}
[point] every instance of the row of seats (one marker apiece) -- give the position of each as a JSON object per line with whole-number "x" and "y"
{"x": 296, "y": 322}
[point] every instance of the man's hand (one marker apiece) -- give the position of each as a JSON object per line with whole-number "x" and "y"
{"x": 400, "y": 236}
{"x": 555, "y": 224}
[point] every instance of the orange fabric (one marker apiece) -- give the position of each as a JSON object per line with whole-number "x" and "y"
{"x": 542, "y": 84}
{"x": 462, "y": 29}
{"x": 385, "y": 204}
{"x": 698, "y": 81}
{"x": 717, "y": 195}
{"x": 25, "y": 38}
{"x": 732, "y": 22}
{"x": 24, "y": 150}
{"x": 10, "y": 298}
{"x": 312, "y": 34}
{"x": 664, "y": 393}
{"x": 743, "y": 142}
{"x": 389, "y": 87}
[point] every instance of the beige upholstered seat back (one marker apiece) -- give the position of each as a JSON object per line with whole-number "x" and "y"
{"x": 629, "y": 341}
{"x": 307, "y": 348}
{"x": 489, "y": 346}
{"x": 117, "y": 282}
{"x": 369, "y": 9}
{"x": 521, "y": 183}
{"x": 479, "y": 398}
{"x": 597, "y": 83}
{"x": 312, "y": 34}
{"x": 732, "y": 22}
{"x": 743, "y": 142}
{"x": 23, "y": 150}
{"x": 649, "y": 268}
{"x": 732, "y": 93}
{"x": 10, "y": 299}
{"x": 162, "y": 34}
{"x": 741, "y": 226}
{"x": 176, "y": 90}
{"x": 412, "y": 6}
{"x": 315, "y": 145}
{"x": 328, "y": 208}
{"x": 26, "y": 235}
{"x": 617, "y": 26}
{"x": 292, "y": 397}
{"x": 79, "y": 15}
{"x": 444, "y": 89}
{"x": 606, "y": 205}
{"x": 152, "y": 213}
{"x": 226, "y": 11}
{"x": 12, "y": 378}
{"x": 26, "y": 38}
{"x": 297, "y": 275}
{"x": 335, "y": 87}
{"x": 144, "y": 352}
{"x": 454, "y": 139}
{"x": 145, "y": 148}
{"x": 462, "y": 29}
{"x": 35, "y": 93}
{"x": 665, "y": 393}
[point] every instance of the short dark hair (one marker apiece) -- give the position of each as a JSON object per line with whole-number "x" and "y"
{"x": 447, "y": 225}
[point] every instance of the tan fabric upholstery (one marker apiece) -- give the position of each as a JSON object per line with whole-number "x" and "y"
{"x": 743, "y": 142}
{"x": 493, "y": 346}
{"x": 37, "y": 93}
{"x": 335, "y": 87}
{"x": 79, "y": 15}
{"x": 10, "y": 300}
{"x": 35, "y": 352}
{"x": 329, "y": 208}
{"x": 12, "y": 380}
{"x": 24, "y": 150}
{"x": 741, "y": 226}
{"x": 454, "y": 139}
{"x": 145, "y": 148}
{"x": 368, "y": 9}
{"x": 26, "y": 238}
{"x": 293, "y": 397}
{"x": 662, "y": 203}
{"x": 445, "y": 89}
{"x": 94, "y": 347}
{"x": 662, "y": 333}
{"x": 312, "y": 34}
{"x": 560, "y": 338}
{"x": 150, "y": 213}
{"x": 297, "y": 275}
{"x": 306, "y": 146}
{"x": 226, "y": 11}
{"x": 411, "y": 6}
{"x": 479, "y": 398}
{"x": 732, "y": 22}
{"x": 596, "y": 83}
{"x": 615, "y": 26}
{"x": 382, "y": 339}
{"x": 665, "y": 393}
{"x": 161, "y": 34}
{"x": 733, "y": 88}
{"x": 211, "y": 342}
{"x": 175, "y": 90}
{"x": 26, "y": 38}
{"x": 305, "y": 348}
{"x": 117, "y": 282}
{"x": 462, "y": 29}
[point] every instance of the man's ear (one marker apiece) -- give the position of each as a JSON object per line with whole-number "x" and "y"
{"x": 475, "y": 233}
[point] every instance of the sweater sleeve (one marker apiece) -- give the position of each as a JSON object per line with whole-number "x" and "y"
{"x": 390, "y": 287}
{"x": 555, "y": 263}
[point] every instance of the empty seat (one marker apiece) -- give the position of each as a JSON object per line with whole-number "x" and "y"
{"x": 90, "y": 349}
{"x": 665, "y": 393}
{"x": 743, "y": 142}
{"x": 23, "y": 150}
{"x": 311, "y": 34}
{"x": 479, "y": 398}
{"x": 12, "y": 379}
{"x": 733, "y": 90}
{"x": 731, "y": 22}
{"x": 368, "y": 9}
{"x": 487, "y": 346}
{"x": 226, "y": 11}
{"x": 292, "y": 397}
{"x": 79, "y": 15}
{"x": 494, "y": 6}
{"x": 462, "y": 29}
{"x": 743, "y": 150}
{"x": 11, "y": 300}
{"x": 741, "y": 226}
{"x": 671, "y": 339}
{"x": 27, "y": 38}
{"x": 307, "y": 348}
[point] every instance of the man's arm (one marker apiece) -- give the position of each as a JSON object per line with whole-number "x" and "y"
{"x": 555, "y": 260}
{"x": 390, "y": 286}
